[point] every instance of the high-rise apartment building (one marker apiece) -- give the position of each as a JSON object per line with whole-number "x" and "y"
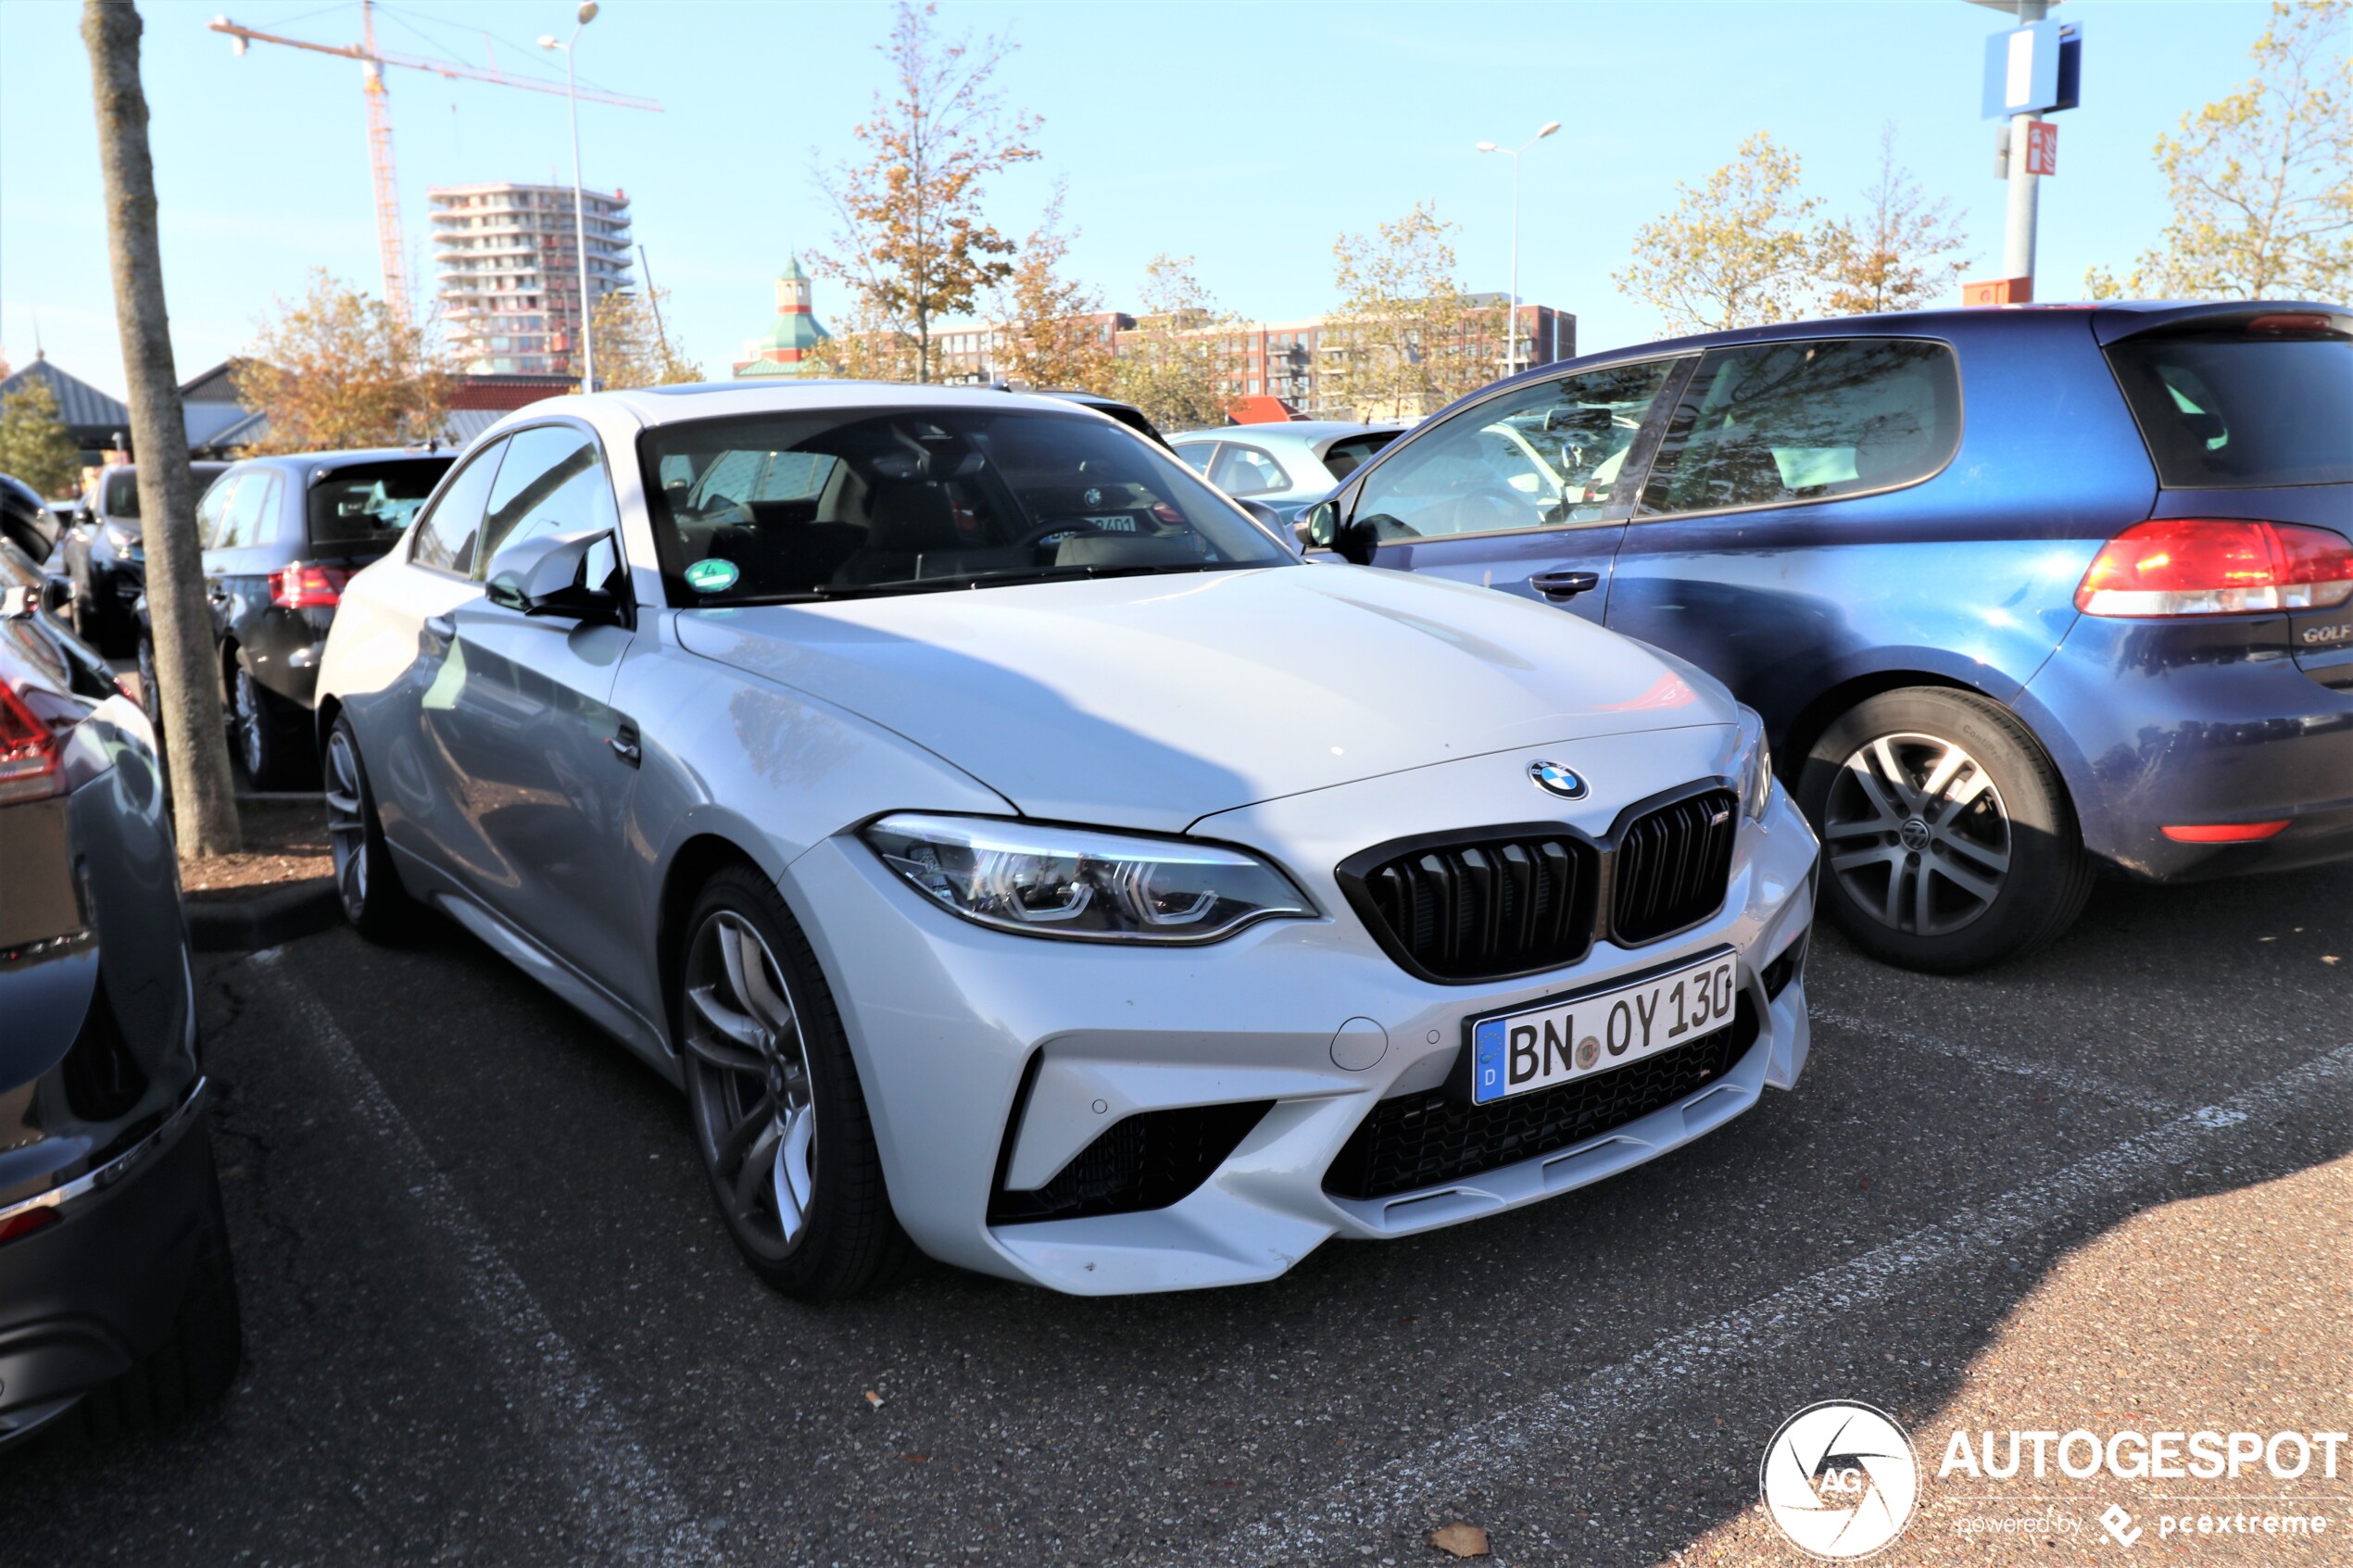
{"x": 509, "y": 273}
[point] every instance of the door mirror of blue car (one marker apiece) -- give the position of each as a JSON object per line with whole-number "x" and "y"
{"x": 548, "y": 575}
{"x": 1319, "y": 524}
{"x": 1322, "y": 529}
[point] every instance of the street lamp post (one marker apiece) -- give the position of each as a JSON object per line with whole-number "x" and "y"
{"x": 1511, "y": 349}
{"x": 587, "y": 14}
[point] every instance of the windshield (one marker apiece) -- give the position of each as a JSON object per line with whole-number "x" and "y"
{"x": 845, "y": 502}
{"x": 2229, "y": 412}
{"x": 371, "y": 503}
{"x": 122, "y": 498}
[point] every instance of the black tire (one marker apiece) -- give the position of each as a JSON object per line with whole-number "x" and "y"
{"x": 1991, "y": 865}
{"x": 848, "y": 1241}
{"x": 270, "y": 735}
{"x": 194, "y": 1367}
{"x": 367, "y": 881}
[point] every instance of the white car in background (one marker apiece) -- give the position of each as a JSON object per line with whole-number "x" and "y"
{"x": 1015, "y": 852}
{"x": 1283, "y": 466}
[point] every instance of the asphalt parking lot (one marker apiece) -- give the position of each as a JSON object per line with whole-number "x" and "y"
{"x": 491, "y": 1318}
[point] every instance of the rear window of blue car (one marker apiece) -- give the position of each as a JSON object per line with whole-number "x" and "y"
{"x": 1767, "y": 424}
{"x": 2232, "y": 411}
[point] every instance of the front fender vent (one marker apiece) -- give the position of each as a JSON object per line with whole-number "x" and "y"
{"x": 1147, "y": 1160}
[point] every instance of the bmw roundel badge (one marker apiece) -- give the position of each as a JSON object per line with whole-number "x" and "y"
{"x": 1567, "y": 782}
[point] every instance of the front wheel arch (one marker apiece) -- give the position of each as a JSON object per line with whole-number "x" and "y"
{"x": 692, "y": 866}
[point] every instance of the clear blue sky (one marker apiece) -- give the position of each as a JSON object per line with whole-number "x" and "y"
{"x": 1249, "y": 135}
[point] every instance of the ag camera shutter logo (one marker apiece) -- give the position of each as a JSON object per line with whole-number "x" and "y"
{"x": 1840, "y": 1480}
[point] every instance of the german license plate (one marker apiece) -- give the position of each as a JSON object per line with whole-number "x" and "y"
{"x": 1515, "y": 1053}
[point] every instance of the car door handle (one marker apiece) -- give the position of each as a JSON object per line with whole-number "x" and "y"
{"x": 1565, "y": 584}
{"x": 626, "y": 745}
{"x": 442, "y": 626}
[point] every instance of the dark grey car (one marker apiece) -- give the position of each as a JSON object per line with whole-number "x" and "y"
{"x": 106, "y": 561}
{"x": 281, "y": 536}
{"x": 116, "y": 1298}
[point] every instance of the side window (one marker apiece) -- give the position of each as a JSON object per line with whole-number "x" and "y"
{"x": 444, "y": 537}
{"x": 553, "y": 482}
{"x": 1767, "y": 423}
{"x": 246, "y": 520}
{"x": 1545, "y": 455}
{"x": 211, "y": 508}
{"x": 1197, "y": 456}
{"x": 1246, "y": 471}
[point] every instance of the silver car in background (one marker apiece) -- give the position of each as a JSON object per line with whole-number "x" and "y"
{"x": 1016, "y": 853}
{"x": 1283, "y": 466}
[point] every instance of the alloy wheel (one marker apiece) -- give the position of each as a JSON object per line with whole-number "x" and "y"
{"x": 1916, "y": 834}
{"x": 748, "y": 1066}
{"x": 348, "y": 825}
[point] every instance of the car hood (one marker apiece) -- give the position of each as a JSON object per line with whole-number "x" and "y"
{"x": 1151, "y": 702}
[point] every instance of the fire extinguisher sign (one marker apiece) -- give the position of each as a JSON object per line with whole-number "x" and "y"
{"x": 2041, "y": 147}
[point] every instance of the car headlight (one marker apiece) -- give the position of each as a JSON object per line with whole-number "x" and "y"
{"x": 122, "y": 536}
{"x": 1756, "y": 765}
{"x": 1042, "y": 880}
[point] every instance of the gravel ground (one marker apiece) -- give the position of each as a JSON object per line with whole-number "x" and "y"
{"x": 492, "y": 1319}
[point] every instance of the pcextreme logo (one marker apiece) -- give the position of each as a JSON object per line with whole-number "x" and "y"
{"x": 1840, "y": 1480}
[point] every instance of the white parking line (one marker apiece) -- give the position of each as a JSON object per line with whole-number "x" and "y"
{"x": 628, "y": 1510}
{"x": 2074, "y": 1080}
{"x": 1382, "y": 1497}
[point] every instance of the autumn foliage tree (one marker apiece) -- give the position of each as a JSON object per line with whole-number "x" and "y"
{"x": 2262, "y": 181}
{"x": 1902, "y": 253}
{"x": 1050, "y": 325}
{"x": 338, "y": 369}
{"x": 1739, "y": 251}
{"x": 1411, "y": 341}
{"x": 34, "y": 444}
{"x": 633, "y": 347}
{"x": 1182, "y": 361}
{"x": 909, "y": 238}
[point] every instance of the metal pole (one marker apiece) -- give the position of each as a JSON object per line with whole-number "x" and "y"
{"x": 2018, "y": 231}
{"x": 580, "y": 225}
{"x": 1511, "y": 317}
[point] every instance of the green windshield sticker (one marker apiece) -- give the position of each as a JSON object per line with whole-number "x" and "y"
{"x": 712, "y": 576}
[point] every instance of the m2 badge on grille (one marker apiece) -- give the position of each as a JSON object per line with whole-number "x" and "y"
{"x": 1515, "y": 1052}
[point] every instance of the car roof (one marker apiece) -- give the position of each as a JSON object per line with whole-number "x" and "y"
{"x": 2111, "y": 319}
{"x": 354, "y": 456}
{"x": 703, "y": 400}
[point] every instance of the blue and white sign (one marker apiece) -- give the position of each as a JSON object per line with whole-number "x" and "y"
{"x": 2034, "y": 70}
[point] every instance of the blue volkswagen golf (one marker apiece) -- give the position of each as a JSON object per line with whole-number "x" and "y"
{"x": 2024, "y": 596}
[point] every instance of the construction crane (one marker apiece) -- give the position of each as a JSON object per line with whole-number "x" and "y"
{"x": 372, "y": 62}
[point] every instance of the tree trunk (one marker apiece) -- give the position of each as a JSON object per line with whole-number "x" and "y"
{"x": 188, "y": 684}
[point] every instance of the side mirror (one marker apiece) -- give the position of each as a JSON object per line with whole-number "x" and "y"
{"x": 547, "y": 576}
{"x": 1354, "y": 542}
{"x": 1319, "y": 524}
{"x": 1265, "y": 514}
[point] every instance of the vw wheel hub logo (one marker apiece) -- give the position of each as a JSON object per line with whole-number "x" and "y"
{"x": 1567, "y": 782}
{"x": 1840, "y": 1480}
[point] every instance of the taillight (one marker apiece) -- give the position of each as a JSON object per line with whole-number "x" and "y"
{"x": 304, "y": 586}
{"x": 2217, "y": 566}
{"x": 31, "y": 768}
